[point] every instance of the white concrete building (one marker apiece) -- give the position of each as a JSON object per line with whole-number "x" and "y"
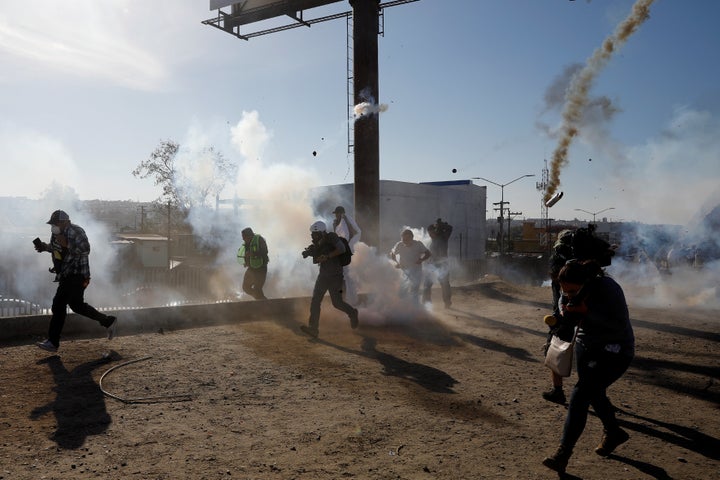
{"x": 460, "y": 203}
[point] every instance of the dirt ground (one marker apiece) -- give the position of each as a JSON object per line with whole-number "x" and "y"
{"x": 452, "y": 394}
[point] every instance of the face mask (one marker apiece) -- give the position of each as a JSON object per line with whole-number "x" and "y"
{"x": 55, "y": 230}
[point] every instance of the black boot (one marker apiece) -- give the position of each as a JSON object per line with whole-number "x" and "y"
{"x": 556, "y": 395}
{"x": 559, "y": 460}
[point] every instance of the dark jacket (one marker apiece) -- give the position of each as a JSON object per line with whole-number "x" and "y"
{"x": 607, "y": 321}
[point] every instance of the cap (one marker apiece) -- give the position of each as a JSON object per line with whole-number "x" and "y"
{"x": 339, "y": 209}
{"x": 58, "y": 216}
{"x": 318, "y": 227}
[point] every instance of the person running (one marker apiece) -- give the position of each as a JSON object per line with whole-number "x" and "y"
{"x": 254, "y": 255}
{"x": 408, "y": 255}
{"x": 439, "y": 233}
{"x": 70, "y": 250}
{"x": 604, "y": 348}
{"x": 325, "y": 250}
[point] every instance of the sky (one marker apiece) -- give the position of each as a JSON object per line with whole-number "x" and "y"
{"x": 468, "y": 88}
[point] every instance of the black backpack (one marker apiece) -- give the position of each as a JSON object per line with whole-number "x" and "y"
{"x": 586, "y": 246}
{"x": 346, "y": 257}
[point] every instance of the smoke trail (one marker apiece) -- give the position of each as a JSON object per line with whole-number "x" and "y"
{"x": 577, "y": 95}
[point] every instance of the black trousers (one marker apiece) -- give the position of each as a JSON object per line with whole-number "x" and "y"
{"x": 71, "y": 293}
{"x": 332, "y": 284}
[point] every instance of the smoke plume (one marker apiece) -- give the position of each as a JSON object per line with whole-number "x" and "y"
{"x": 368, "y": 106}
{"x": 577, "y": 94}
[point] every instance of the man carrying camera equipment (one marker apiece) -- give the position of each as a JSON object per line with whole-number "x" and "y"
{"x": 325, "y": 250}
{"x": 70, "y": 249}
{"x": 253, "y": 254}
{"x": 439, "y": 235}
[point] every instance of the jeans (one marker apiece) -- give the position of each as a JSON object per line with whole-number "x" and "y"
{"x": 597, "y": 369}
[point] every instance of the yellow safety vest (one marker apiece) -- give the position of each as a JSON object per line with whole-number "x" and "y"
{"x": 254, "y": 261}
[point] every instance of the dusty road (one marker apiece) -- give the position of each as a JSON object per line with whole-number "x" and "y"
{"x": 447, "y": 394}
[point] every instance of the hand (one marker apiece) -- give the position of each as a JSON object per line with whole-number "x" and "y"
{"x": 573, "y": 308}
{"x": 86, "y": 282}
{"x": 322, "y": 258}
{"x": 41, "y": 247}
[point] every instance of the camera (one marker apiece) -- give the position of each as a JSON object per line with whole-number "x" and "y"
{"x": 442, "y": 229}
{"x": 310, "y": 251}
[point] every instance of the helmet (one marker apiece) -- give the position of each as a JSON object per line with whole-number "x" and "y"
{"x": 318, "y": 227}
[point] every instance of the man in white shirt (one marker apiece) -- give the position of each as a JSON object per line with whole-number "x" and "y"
{"x": 345, "y": 226}
{"x": 409, "y": 254}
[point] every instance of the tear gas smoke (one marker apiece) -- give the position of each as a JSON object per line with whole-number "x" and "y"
{"x": 576, "y": 97}
{"x": 368, "y": 106}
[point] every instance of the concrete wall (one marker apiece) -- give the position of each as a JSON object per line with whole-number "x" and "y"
{"x": 28, "y": 328}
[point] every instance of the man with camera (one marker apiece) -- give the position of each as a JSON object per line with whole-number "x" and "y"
{"x": 325, "y": 250}
{"x": 70, "y": 249}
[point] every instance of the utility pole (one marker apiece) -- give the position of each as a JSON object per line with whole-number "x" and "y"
{"x": 367, "y": 128}
{"x": 168, "y": 236}
{"x": 501, "y": 220}
{"x": 510, "y": 215}
{"x": 502, "y": 202}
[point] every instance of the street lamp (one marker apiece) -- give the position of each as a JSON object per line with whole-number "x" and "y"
{"x": 595, "y": 213}
{"x": 502, "y": 202}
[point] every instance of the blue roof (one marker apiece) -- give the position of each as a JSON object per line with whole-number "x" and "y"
{"x": 448, "y": 182}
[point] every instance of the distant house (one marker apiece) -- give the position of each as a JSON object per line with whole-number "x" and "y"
{"x": 146, "y": 250}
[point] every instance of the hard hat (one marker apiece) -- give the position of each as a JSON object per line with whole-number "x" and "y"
{"x": 318, "y": 227}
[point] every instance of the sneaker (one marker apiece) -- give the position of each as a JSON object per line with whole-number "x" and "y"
{"x": 312, "y": 332}
{"x": 111, "y": 328}
{"x": 354, "y": 319}
{"x": 610, "y": 441}
{"x": 558, "y": 461}
{"x": 556, "y": 395}
{"x": 47, "y": 345}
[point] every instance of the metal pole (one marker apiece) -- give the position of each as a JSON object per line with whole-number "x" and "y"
{"x": 366, "y": 14}
{"x": 502, "y": 219}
